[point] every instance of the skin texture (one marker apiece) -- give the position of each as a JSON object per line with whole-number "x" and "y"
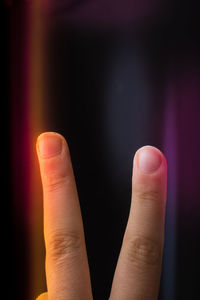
{"x": 138, "y": 270}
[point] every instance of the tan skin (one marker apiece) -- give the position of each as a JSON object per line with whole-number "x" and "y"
{"x": 138, "y": 270}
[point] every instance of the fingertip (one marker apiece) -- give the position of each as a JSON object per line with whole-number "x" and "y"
{"x": 49, "y": 144}
{"x": 48, "y": 134}
{"x": 149, "y": 159}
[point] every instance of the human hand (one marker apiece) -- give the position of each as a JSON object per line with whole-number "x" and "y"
{"x": 137, "y": 274}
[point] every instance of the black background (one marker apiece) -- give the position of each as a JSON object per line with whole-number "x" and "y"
{"x": 105, "y": 194}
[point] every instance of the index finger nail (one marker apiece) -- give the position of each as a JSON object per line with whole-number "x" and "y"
{"x": 149, "y": 159}
{"x": 49, "y": 144}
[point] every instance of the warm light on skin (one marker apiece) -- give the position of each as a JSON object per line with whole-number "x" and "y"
{"x": 43, "y": 296}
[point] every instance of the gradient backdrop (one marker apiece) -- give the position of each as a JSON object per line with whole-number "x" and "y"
{"x": 111, "y": 76}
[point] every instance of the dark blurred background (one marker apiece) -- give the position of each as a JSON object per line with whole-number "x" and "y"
{"x": 120, "y": 75}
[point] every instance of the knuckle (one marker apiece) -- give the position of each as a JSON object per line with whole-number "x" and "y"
{"x": 143, "y": 251}
{"x": 64, "y": 245}
{"x": 151, "y": 195}
{"x": 54, "y": 182}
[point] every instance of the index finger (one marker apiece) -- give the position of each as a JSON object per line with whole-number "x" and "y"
{"x": 137, "y": 275}
{"x": 67, "y": 268}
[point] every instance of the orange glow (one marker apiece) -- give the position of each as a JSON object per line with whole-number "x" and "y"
{"x": 37, "y": 111}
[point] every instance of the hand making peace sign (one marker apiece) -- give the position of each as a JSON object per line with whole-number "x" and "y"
{"x": 137, "y": 274}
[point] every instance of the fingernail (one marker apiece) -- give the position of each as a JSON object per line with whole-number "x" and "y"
{"x": 49, "y": 145}
{"x": 149, "y": 159}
